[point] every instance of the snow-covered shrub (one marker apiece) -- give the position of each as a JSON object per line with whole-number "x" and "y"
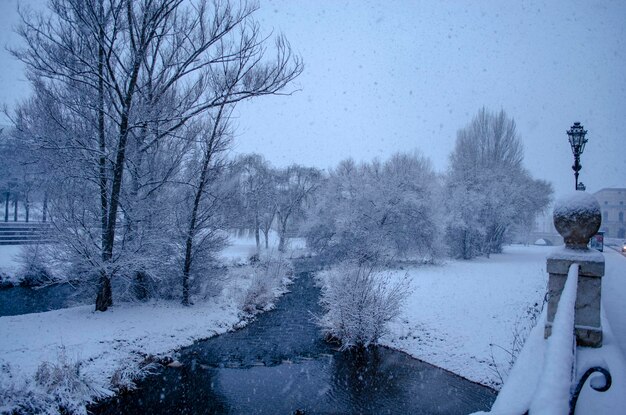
{"x": 137, "y": 368}
{"x": 58, "y": 387}
{"x": 11, "y": 389}
{"x": 359, "y": 301}
{"x": 63, "y": 382}
{"x": 6, "y": 281}
{"x": 34, "y": 268}
{"x": 268, "y": 275}
{"x": 211, "y": 284}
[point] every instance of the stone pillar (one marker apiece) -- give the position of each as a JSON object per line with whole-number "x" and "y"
{"x": 577, "y": 218}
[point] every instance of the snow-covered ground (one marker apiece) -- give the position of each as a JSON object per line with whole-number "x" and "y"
{"x": 9, "y": 262}
{"x": 103, "y": 343}
{"x": 242, "y": 248}
{"x": 109, "y": 347}
{"x": 462, "y": 313}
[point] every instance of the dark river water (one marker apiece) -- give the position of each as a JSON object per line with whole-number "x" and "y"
{"x": 279, "y": 365}
{"x": 23, "y": 300}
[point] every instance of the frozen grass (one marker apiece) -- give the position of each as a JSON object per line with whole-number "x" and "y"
{"x": 462, "y": 313}
{"x": 58, "y": 386}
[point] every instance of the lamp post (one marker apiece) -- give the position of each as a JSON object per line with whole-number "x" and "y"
{"x": 577, "y": 141}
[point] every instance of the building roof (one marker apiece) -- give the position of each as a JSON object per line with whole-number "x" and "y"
{"x": 611, "y": 189}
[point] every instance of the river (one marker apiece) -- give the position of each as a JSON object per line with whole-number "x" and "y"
{"x": 279, "y": 364}
{"x": 24, "y": 300}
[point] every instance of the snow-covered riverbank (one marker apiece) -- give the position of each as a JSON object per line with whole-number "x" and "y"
{"x": 463, "y": 316}
{"x": 70, "y": 356}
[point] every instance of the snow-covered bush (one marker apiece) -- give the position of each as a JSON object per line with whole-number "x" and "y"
{"x": 34, "y": 269}
{"x": 6, "y": 281}
{"x": 136, "y": 368}
{"x": 359, "y": 301}
{"x": 59, "y": 387}
{"x": 11, "y": 387}
{"x": 267, "y": 278}
{"x": 377, "y": 211}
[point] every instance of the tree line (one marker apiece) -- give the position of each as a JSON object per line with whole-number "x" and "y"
{"x": 402, "y": 209}
{"x": 125, "y": 139}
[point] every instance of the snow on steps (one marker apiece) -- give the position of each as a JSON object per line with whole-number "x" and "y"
{"x": 23, "y": 233}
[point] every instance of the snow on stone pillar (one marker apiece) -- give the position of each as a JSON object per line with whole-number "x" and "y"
{"x": 577, "y": 218}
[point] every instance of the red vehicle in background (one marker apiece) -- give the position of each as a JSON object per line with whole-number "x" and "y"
{"x": 597, "y": 241}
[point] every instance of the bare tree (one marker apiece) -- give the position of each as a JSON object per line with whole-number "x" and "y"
{"x": 140, "y": 71}
{"x": 258, "y": 189}
{"x": 490, "y": 191}
{"x": 215, "y": 141}
{"x": 294, "y": 185}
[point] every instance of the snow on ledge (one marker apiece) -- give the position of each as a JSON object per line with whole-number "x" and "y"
{"x": 576, "y": 255}
{"x": 553, "y": 391}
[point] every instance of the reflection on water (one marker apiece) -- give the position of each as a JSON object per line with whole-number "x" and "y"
{"x": 384, "y": 382}
{"x": 278, "y": 365}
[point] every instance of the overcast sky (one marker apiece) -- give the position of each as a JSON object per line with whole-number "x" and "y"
{"x": 388, "y": 76}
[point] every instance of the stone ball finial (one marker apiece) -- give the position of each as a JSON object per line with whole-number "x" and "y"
{"x": 577, "y": 218}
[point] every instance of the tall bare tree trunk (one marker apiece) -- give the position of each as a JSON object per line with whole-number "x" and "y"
{"x": 257, "y": 236}
{"x": 282, "y": 242}
{"x": 15, "y": 208}
{"x": 6, "y": 206}
{"x": 104, "y": 299}
{"x": 191, "y": 230}
{"x": 104, "y": 292}
{"x": 44, "y": 217}
{"x": 27, "y": 208}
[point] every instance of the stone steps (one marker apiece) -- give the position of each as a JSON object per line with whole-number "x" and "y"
{"x": 24, "y": 233}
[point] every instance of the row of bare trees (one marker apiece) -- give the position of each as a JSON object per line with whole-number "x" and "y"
{"x": 401, "y": 209}
{"x": 274, "y": 197}
{"x": 129, "y": 120}
{"x": 19, "y": 184}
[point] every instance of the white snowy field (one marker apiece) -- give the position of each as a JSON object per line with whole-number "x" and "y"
{"x": 458, "y": 310}
{"x": 109, "y": 346}
{"x": 242, "y": 248}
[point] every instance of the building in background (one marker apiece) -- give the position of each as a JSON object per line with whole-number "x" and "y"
{"x": 613, "y": 205}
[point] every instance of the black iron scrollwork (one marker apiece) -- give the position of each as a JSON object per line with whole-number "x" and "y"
{"x": 607, "y": 384}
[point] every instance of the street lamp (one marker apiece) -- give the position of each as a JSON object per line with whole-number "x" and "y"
{"x": 577, "y": 141}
